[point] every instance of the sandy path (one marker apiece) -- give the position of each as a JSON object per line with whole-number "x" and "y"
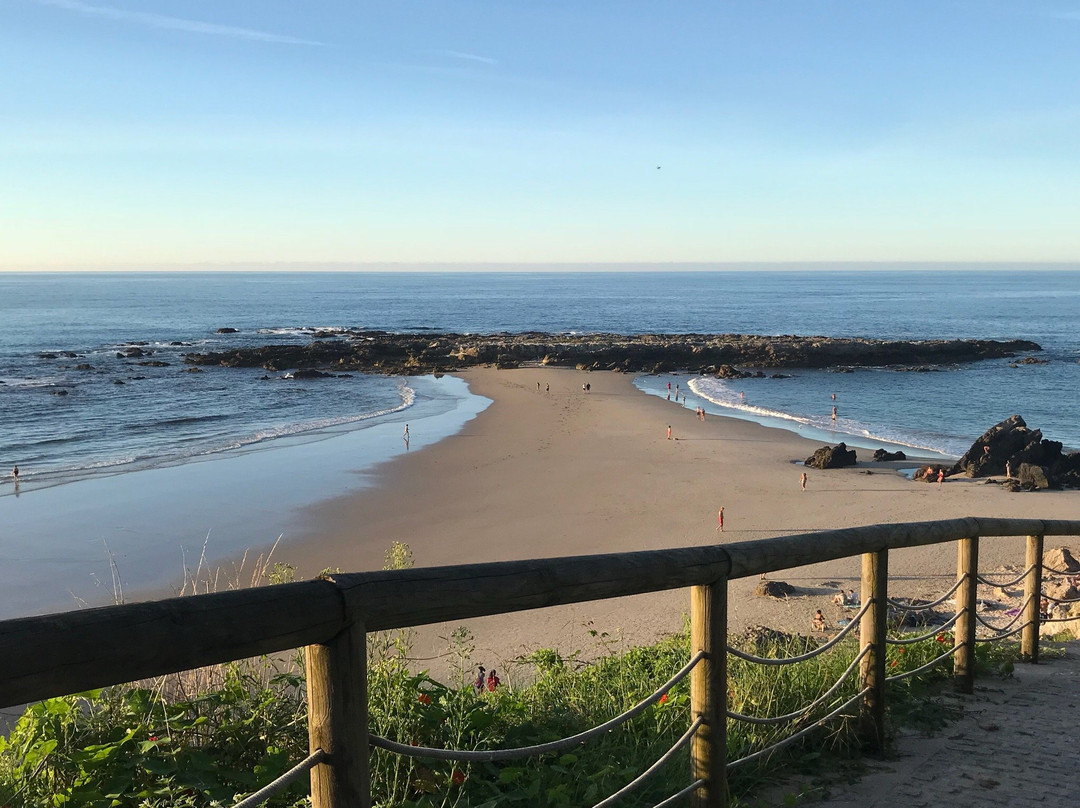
{"x": 561, "y": 473}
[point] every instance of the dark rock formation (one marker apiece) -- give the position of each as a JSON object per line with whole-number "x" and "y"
{"x": 383, "y": 352}
{"x": 832, "y": 457}
{"x": 227, "y": 330}
{"x": 47, "y": 356}
{"x": 882, "y": 456}
{"x": 153, "y": 363}
{"x": 84, "y": 366}
{"x": 192, "y": 370}
{"x": 929, "y": 474}
{"x": 1012, "y": 446}
{"x": 774, "y": 589}
{"x": 308, "y": 373}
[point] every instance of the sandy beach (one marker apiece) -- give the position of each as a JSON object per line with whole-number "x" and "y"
{"x": 561, "y": 472}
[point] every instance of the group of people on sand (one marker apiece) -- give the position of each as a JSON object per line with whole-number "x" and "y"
{"x": 490, "y": 683}
{"x": 849, "y": 598}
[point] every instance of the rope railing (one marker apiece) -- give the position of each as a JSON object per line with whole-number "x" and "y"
{"x": 769, "y": 750}
{"x": 653, "y": 769}
{"x": 1066, "y": 573}
{"x": 897, "y": 677}
{"x": 1061, "y": 600}
{"x": 929, "y": 635}
{"x": 1002, "y": 635}
{"x": 1017, "y": 616}
{"x": 678, "y": 795}
{"x": 282, "y": 782}
{"x": 779, "y": 719}
{"x": 983, "y": 580}
{"x": 821, "y": 649}
{"x": 1067, "y": 619}
{"x": 487, "y": 755}
{"x": 908, "y": 607}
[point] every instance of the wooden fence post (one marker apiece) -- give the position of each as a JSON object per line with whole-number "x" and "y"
{"x": 1029, "y": 637}
{"x": 337, "y": 720}
{"x": 872, "y": 630}
{"x": 967, "y": 570}
{"x": 708, "y": 693}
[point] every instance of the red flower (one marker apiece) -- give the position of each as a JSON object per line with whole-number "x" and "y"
{"x": 941, "y": 638}
{"x": 458, "y": 776}
{"x": 893, "y": 664}
{"x": 663, "y": 698}
{"x": 424, "y": 698}
{"x": 903, "y": 650}
{"x": 153, "y": 737}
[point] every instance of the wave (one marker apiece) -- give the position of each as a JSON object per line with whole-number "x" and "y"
{"x": 182, "y": 421}
{"x": 718, "y": 393}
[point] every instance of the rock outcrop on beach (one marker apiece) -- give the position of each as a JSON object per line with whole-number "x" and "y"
{"x": 832, "y": 457}
{"x": 1012, "y": 448}
{"x": 385, "y": 352}
{"x": 884, "y": 456}
{"x": 774, "y": 589}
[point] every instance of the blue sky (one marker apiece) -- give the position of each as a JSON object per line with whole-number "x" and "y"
{"x": 152, "y": 133}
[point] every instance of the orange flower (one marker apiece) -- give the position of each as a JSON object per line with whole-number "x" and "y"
{"x": 893, "y": 665}
{"x": 663, "y": 698}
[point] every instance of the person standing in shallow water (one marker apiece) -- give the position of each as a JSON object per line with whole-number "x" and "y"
{"x": 15, "y": 474}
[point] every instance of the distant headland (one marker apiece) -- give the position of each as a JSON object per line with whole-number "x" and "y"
{"x": 436, "y": 352}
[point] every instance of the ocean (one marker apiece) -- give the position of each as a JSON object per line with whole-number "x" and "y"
{"x": 73, "y": 404}
{"x": 135, "y": 470}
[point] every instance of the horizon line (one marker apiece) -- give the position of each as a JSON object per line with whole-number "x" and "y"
{"x": 507, "y": 267}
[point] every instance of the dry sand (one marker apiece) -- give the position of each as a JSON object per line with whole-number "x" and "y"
{"x": 563, "y": 473}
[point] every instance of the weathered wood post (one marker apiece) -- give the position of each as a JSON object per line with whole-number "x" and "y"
{"x": 872, "y": 630}
{"x": 708, "y": 693}
{"x": 967, "y": 570}
{"x": 1029, "y": 637}
{"x": 338, "y": 720}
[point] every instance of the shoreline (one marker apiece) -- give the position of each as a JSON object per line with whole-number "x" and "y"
{"x": 563, "y": 473}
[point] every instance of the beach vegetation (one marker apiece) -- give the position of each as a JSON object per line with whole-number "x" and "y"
{"x": 209, "y": 737}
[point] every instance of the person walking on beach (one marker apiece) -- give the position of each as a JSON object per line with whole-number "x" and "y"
{"x": 405, "y": 436}
{"x": 492, "y": 681}
{"x": 478, "y": 685}
{"x": 669, "y": 432}
{"x": 802, "y": 481}
{"x": 547, "y": 388}
{"x": 940, "y": 475}
{"x": 15, "y": 474}
{"x": 720, "y": 519}
{"x": 538, "y": 387}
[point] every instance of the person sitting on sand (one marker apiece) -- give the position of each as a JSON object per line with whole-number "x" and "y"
{"x": 839, "y": 599}
{"x": 852, "y": 598}
{"x": 818, "y": 621}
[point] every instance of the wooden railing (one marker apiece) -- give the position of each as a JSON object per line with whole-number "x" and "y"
{"x": 74, "y": 651}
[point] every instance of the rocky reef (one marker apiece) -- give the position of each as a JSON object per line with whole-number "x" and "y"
{"x": 397, "y": 353}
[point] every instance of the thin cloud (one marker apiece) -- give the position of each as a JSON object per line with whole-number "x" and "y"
{"x": 470, "y": 57}
{"x": 175, "y": 23}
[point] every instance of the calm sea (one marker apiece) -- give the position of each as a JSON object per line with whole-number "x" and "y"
{"x": 89, "y": 411}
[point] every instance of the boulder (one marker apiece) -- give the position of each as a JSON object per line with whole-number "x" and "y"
{"x": 1032, "y": 477}
{"x": 308, "y": 373}
{"x": 1061, "y": 559}
{"x": 1062, "y": 590}
{"x": 227, "y": 330}
{"x": 774, "y": 589}
{"x": 882, "y": 456}
{"x": 832, "y": 457}
{"x": 1006, "y": 447}
{"x": 730, "y": 372}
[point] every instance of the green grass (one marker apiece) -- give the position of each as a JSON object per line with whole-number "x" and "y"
{"x": 206, "y": 739}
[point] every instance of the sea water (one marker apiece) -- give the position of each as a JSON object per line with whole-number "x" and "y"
{"x": 79, "y": 426}
{"x": 72, "y": 417}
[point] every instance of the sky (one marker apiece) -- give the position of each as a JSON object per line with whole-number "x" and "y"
{"x": 148, "y": 133}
